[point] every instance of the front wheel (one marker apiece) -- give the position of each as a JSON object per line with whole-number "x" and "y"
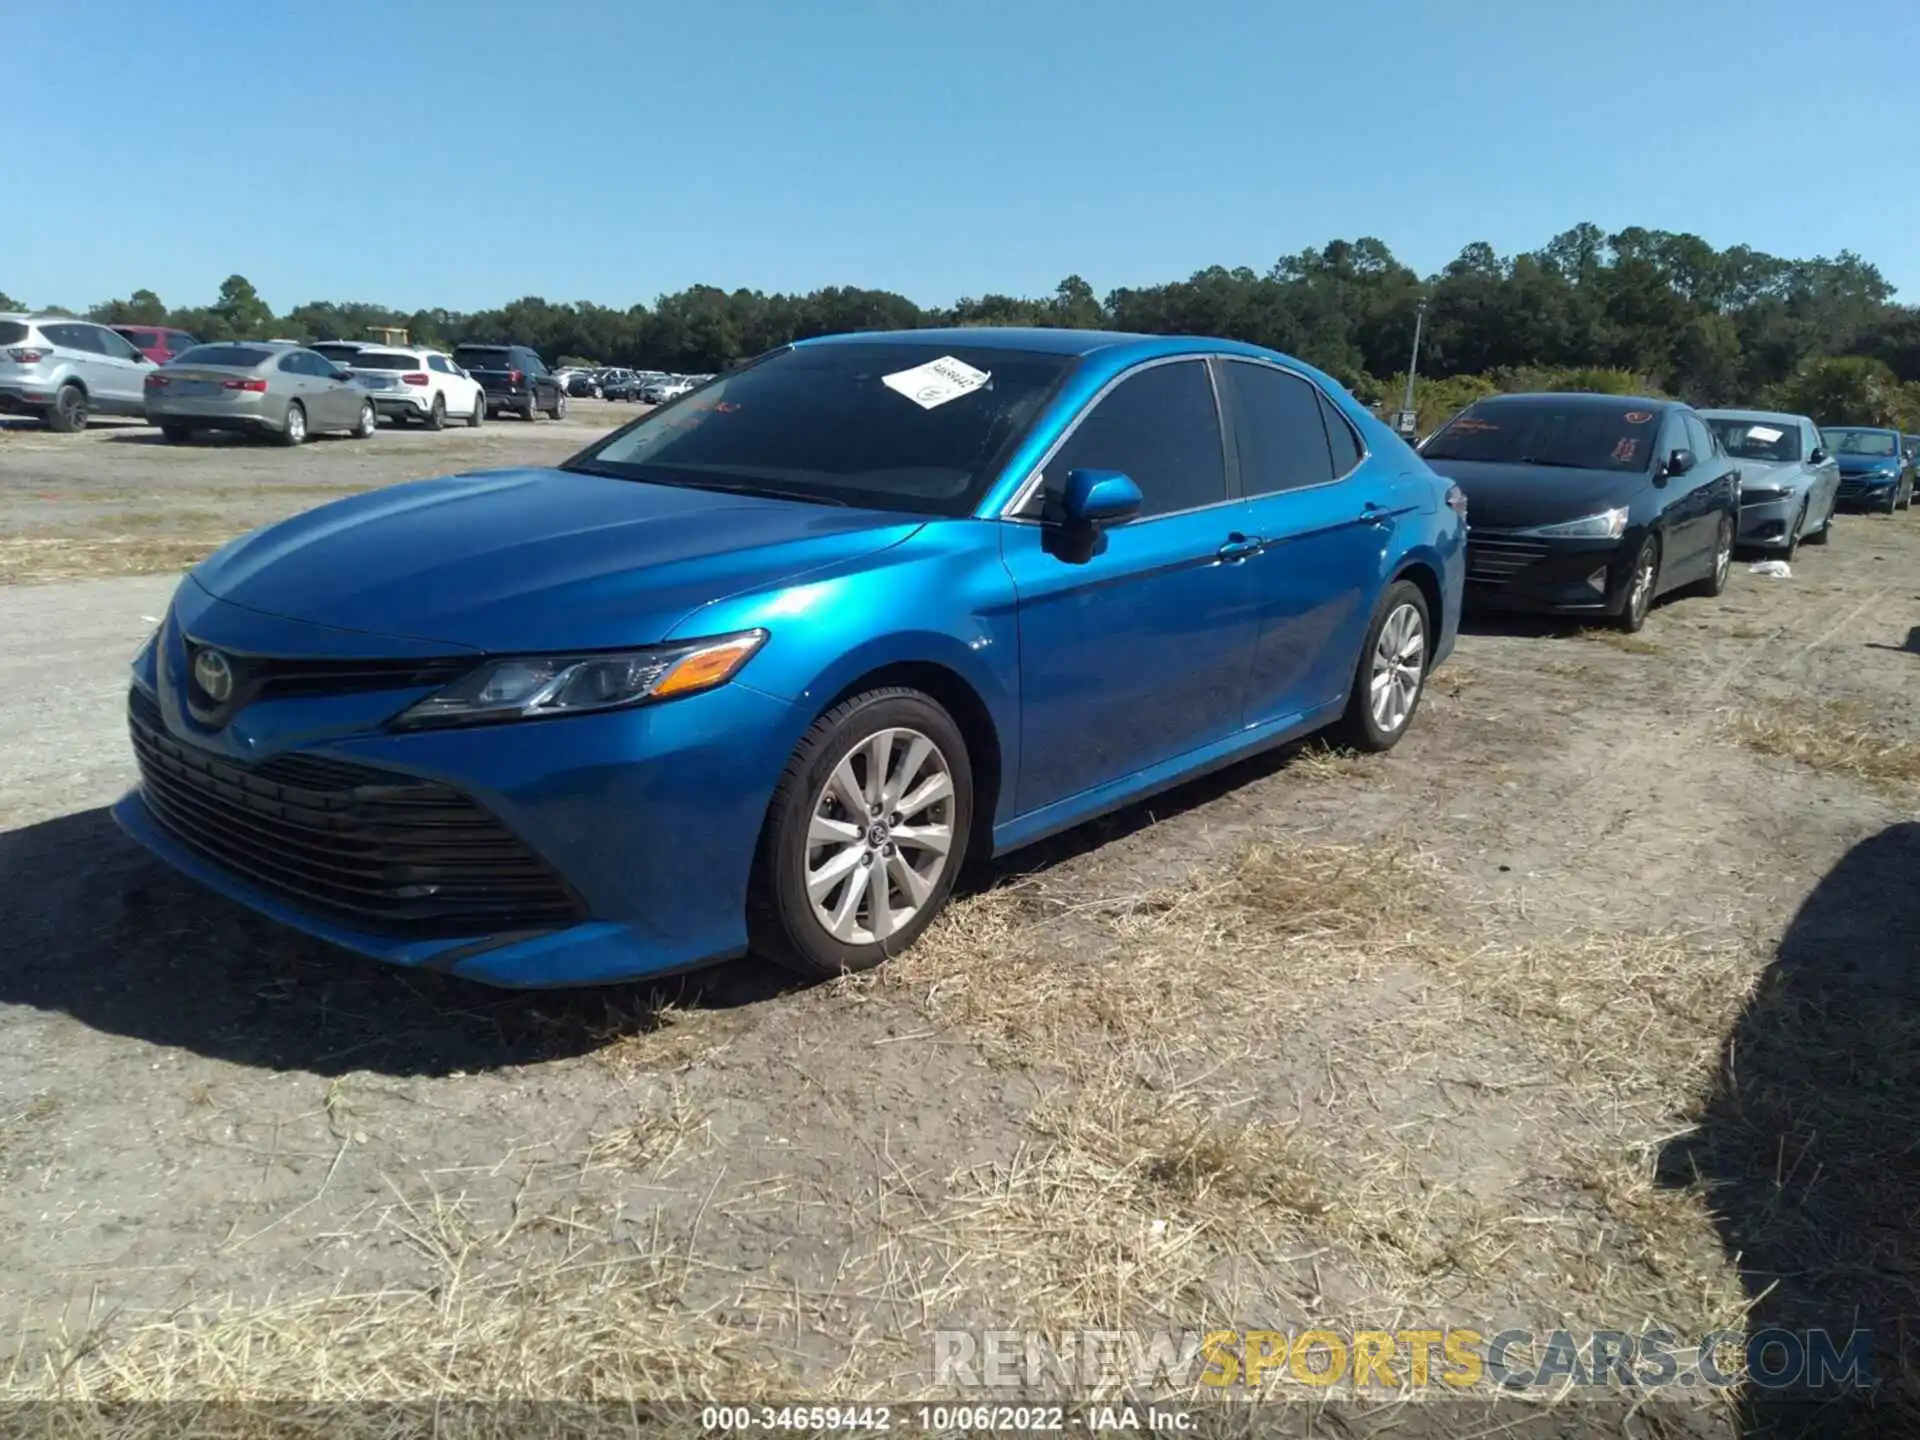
{"x": 176, "y": 434}
{"x": 1795, "y": 535}
{"x": 1823, "y": 534}
{"x": 478, "y": 413}
{"x": 865, "y": 836}
{"x": 1392, "y": 672}
{"x": 1716, "y": 581}
{"x": 1640, "y": 584}
{"x": 559, "y": 411}
{"x": 294, "y": 430}
{"x": 364, "y": 426}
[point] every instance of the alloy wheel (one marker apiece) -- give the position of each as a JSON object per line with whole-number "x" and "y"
{"x": 1399, "y": 658}
{"x": 1641, "y": 595}
{"x": 296, "y": 425}
{"x": 880, "y": 836}
{"x": 1723, "y": 555}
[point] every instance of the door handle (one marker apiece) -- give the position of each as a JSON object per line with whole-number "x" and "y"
{"x": 1239, "y": 547}
{"x": 1374, "y": 514}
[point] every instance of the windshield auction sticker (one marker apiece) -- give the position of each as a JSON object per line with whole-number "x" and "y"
{"x": 937, "y": 381}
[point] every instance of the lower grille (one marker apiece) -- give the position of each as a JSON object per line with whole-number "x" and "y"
{"x": 374, "y": 849}
{"x": 1494, "y": 558}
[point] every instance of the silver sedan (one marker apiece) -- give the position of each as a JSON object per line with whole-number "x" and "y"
{"x": 1788, "y": 482}
{"x": 258, "y": 387}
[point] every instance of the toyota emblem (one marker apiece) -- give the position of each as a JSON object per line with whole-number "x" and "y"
{"x": 214, "y": 676}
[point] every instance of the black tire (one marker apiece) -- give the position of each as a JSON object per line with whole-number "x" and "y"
{"x": 437, "y": 413}
{"x": 781, "y": 923}
{"x": 368, "y": 422}
{"x": 532, "y": 411}
{"x": 1360, "y": 727}
{"x": 176, "y": 434}
{"x": 1823, "y": 534}
{"x": 559, "y": 411}
{"x": 1639, "y": 597}
{"x": 478, "y": 412}
{"x": 68, "y": 412}
{"x": 294, "y": 431}
{"x": 1716, "y": 581}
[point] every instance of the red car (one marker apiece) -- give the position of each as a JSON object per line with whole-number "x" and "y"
{"x": 156, "y": 342}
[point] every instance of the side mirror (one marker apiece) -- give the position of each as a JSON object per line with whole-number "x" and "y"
{"x": 1100, "y": 497}
{"x": 1680, "y": 462}
{"x": 1818, "y": 457}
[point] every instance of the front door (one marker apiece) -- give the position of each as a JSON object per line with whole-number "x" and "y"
{"x": 1133, "y": 649}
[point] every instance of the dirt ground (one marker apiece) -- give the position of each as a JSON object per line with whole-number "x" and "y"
{"x": 1591, "y": 1005}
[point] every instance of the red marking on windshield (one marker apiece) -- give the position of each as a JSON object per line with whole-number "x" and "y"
{"x": 1625, "y": 450}
{"x": 1636, "y": 417}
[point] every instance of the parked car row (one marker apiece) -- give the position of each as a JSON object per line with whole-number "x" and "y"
{"x": 654, "y": 387}
{"x": 63, "y": 371}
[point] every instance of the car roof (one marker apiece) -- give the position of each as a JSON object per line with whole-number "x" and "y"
{"x": 1582, "y": 397}
{"x": 1786, "y": 415}
{"x": 1864, "y": 429}
{"x": 994, "y": 337}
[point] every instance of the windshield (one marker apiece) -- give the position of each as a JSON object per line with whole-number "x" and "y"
{"x": 1575, "y": 434}
{"x": 1775, "y": 440}
{"x": 242, "y": 357}
{"x": 481, "y": 357}
{"x": 898, "y": 426}
{"x": 335, "y": 351}
{"x": 1863, "y": 442}
{"x": 382, "y": 360}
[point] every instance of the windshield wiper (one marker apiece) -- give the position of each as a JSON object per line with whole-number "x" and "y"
{"x": 1552, "y": 464}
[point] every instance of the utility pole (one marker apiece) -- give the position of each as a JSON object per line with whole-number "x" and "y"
{"x": 1409, "y": 417}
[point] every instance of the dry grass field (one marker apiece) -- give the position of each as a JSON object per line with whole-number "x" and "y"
{"x": 1591, "y": 1006}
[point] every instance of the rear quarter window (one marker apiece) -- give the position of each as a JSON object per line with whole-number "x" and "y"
{"x": 12, "y": 332}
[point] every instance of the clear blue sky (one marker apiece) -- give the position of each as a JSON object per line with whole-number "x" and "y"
{"x": 462, "y": 154}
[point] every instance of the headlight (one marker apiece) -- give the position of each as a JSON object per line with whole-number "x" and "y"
{"x": 531, "y": 687}
{"x": 1764, "y": 493}
{"x": 1884, "y": 472}
{"x": 1607, "y": 525}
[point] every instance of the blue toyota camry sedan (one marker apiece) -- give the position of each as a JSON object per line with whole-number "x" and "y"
{"x": 766, "y": 667}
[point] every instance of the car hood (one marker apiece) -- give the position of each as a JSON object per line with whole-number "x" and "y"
{"x": 1773, "y": 474}
{"x": 1517, "y": 497}
{"x": 1861, "y": 464}
{"x": 520, "y": 561}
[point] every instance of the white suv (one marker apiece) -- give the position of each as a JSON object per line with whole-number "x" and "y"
{"x": 423, "y": 385}
{"x": 62, "y": 370}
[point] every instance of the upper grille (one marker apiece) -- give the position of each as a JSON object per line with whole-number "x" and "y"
{"x": 1494, "y": 558}
{"x": 375, "y": 849}
{"x": 258, "y": 677}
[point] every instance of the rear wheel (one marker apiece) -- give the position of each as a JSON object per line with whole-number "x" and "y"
{"x": 68, "y": 412}
{"x": 531, "y": 412}
{"x": 1640, "y": 584}
{"x": 437, "y": 413}
{"x": 1392, "y": 673}
{"x": 294, "y": 430}
{"x": 865, "y": 835}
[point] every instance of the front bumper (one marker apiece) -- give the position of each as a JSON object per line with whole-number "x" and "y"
{"x": 1767, "y": 524}
{"x": 1507, "y": 570}
{"x": 650, "y": 816}
{"x": 1867, "y": 492}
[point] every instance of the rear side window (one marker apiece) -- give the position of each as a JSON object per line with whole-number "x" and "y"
{"x": 382, "y": 360}
{"x": 74, "y": 337}
{"x": 243, "y": 356}
{"x": 1161, "y": 429}
{"x": 180, "y": 340}
{"x": 1341, "y": 439}
{"x": 12, "y": 332}
{"x": 1277, "y": 428}
{"x": 440, "y": 363}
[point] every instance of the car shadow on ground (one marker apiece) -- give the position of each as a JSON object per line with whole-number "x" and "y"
{"x": 1808, "y": 1148}
{"x": 100, "y": 930}
{"x": 1910, "y": 647}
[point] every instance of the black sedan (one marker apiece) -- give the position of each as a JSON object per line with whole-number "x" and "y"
{"x": 1589, "y": 504}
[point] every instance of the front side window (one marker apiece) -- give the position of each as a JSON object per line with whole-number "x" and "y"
{"x": 1775, "y": 441}
{"x": 881, "y": 424}
{"x": 1161, "y": 429}
{"x": 1577, "y": 434}
{"x": 1699, "y": 439}
{"x": 1278, "y": 428}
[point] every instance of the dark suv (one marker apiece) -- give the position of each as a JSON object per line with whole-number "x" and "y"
{"x": 515, "y": 378}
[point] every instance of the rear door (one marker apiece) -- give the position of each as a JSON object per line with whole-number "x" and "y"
{"x": 88, "y": 359}
{"x": 125, "y": 368}
{"x": 1324, "y": 524}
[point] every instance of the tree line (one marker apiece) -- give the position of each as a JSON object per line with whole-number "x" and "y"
{"x": 1633, "y": 311}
